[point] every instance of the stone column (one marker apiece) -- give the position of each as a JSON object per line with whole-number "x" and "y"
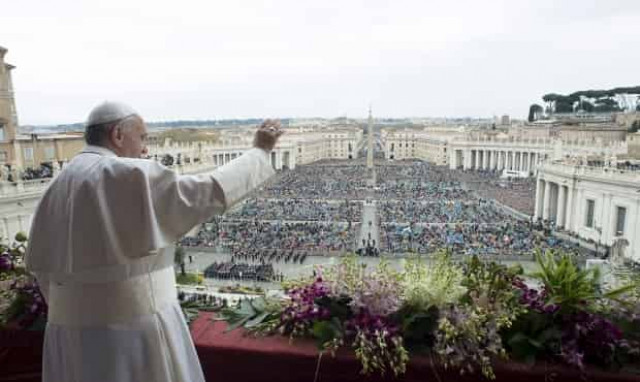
{"x": 476, "y": 165}
{"x": 546, "y": 201}
{"x": 492, "y": 160}
{"x": 562, "y": 198}
{"x": 522, "y": 162}
{"x": 530, "y": 162}
{"x": 568, "y": 219}
{"x": 606, "y": 221}
{"x": 539, "y": 195}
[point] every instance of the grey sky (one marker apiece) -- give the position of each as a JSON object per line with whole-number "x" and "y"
{"x": 222, "y": 59}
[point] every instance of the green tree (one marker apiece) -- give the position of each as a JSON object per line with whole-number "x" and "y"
{"x": 587, "y": 106}
{"x": 534, "y": 112}
{"x": 607, "y": 105}
{"x": 550, "y": 99}
{"x": 563, "y": 106}
{"x": 635, "y": 126}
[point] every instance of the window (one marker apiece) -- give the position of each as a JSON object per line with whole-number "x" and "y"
{"x": 3, "y": 156}
{"x": 28, "y": 153}
{"x": 49, "y": 153}
{"x": 591, "y": 204}
{"x": 621, "y": 216}
{"x": 1, "y": 132}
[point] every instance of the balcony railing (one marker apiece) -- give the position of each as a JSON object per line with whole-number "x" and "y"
{"x": 627, "y": 174}
{"x": 23, "y": 187}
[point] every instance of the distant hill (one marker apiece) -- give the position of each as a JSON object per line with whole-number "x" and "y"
{"x": 222, "y": 123}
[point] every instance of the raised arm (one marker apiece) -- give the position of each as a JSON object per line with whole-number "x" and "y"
{"x": 183, "y": 201}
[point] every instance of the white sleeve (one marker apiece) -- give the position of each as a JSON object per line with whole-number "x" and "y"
{"x": 243, "y": 174}
{"x": 183, "y": 201}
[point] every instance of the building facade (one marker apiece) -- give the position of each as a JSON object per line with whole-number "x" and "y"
{"x": 8, "y": 114}
{"x": 599, "y": 204}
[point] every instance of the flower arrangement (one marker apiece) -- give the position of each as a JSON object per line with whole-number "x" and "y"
{"x": 22, "y": 305}
{"x": 465, "y": 316}
{"x": 569, "y": 319}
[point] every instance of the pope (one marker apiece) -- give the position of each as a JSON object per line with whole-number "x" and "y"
{"x": 102, "y": 249}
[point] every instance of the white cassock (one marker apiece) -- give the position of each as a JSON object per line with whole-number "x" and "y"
{"x": 102, "y": 248}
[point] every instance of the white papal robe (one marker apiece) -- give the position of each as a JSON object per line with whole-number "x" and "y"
{"x": 102, "y": 248}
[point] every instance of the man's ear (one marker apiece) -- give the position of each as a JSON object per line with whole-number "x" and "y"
{"x": 116, "y": 136}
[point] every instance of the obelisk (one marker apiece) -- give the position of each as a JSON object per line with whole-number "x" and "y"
{"x": 370, "y": 141}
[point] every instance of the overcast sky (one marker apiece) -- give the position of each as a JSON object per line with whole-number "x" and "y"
{"x": 187, "y": 59}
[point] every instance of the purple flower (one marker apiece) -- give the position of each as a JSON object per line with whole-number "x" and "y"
{"x": 551, "y": 308}
{"x": 5, "y": 263}
{"x": 590, "y": 338}
{"x": 302, "y": 308}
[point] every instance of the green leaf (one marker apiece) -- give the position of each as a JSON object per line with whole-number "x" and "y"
{"x": 259, "y": 304}
{"x": 517, "y": 339}
{"x": 323, "y": 332}
{"x": 236, "y": 324}
{"x": 256, "y": 320}
{"x": 246, "y": 309}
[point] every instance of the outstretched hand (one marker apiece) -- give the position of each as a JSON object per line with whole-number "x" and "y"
{"x": 267, "y": 135}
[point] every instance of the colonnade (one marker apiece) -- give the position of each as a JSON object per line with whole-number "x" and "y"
{"x": 553, "y": 202}
{"x": 279, "y": 158}
{"x": 492, "y": 159}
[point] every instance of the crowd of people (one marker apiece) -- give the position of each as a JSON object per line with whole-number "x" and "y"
{"x": 422, "y": 190}
{"x": 440, "y": 211}
{"x": 413, "y": 170}
{"x": 42, "y": 172}
{"x": 517, "y": 193}
{"x": 268, "y": 256}
{"x": 297, "y": 210}
{"x": 242, "y": 271}
{"x": 513, "y": 237}
{"x": 203, "y": 299}
{"x": 305, "y": 236}
{"x": 421, "y": 207}
{"x": 319, "y": 182}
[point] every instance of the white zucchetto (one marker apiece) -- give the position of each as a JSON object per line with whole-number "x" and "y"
{"x": 109, "y": 112}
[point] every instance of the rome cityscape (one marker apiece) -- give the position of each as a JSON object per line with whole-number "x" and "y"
{"x": 560, "y": 177}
